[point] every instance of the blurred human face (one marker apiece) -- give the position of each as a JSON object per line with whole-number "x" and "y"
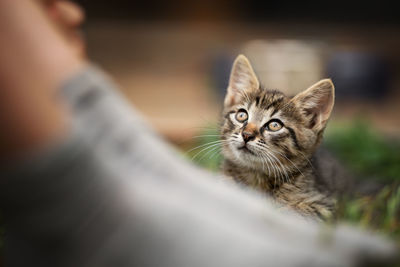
{"x": 68, "y": 18}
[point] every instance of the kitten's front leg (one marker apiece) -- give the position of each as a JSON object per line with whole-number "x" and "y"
{"x": 314, "y": 204}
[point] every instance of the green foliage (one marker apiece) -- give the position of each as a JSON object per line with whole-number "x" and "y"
{"x": 365, "y": 151}
{"x": 370, "y": 156}
{"x": 380, "y": 212}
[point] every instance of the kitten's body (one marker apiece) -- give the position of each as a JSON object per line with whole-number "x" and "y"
{"x": 305, "y": 192}
{"x": 269, "y": 140}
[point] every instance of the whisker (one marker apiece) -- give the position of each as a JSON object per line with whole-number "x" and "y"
{"x": 212, "y": 128}
{"x": 273, "y": 167}
{"x": 215, "y": 153}
{"x": 267, "y": 163}
{"x": 294, "y": 165}
{"x": 262, "y": 160}
{"x": 206, "y": 135}
{"x": 281, "y": 171}
{"x": 281, "y": 168}
{"x": 284, "y": 168}
{"x": 208, "y": 152}
{"x": 208, "y": 147}
{"x": 212, "y": 142}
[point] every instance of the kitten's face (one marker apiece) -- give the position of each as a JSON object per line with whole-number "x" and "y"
{"x": 268, "y": 131}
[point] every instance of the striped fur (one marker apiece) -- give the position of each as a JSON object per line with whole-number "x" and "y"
{"x": 276, "y": 162}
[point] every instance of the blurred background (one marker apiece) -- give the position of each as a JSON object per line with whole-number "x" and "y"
{"x": 172, "y": 61}
{"x": 172, "y": 58}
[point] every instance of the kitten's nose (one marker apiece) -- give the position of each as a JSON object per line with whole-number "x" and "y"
{"x": 249, "y": 132}
{"x": 248, "y": 136}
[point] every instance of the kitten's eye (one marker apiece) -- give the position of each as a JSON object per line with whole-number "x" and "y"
{"x": 274, "y": 126}
{"x": 241, "y": 115}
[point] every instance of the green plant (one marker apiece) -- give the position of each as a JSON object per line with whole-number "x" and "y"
{"x": 365, "y": 151}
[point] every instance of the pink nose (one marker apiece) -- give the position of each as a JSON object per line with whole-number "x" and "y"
{"x": 248, "y": 136}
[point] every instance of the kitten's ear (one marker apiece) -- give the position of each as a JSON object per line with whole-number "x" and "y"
{"x": 316, "y": 103}
{"x": 242, "y": 80}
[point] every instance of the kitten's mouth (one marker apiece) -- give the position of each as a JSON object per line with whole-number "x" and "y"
{"x": 245, "y": 149}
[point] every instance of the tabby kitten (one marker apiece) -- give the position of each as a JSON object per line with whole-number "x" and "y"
{"x": 268, "y": 140}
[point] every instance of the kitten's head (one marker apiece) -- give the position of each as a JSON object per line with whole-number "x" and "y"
{"x": 264, "y": 129}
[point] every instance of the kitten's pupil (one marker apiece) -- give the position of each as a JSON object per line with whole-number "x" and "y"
{"x": 274, "y": 126}
{"x": 241, "y": 115}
